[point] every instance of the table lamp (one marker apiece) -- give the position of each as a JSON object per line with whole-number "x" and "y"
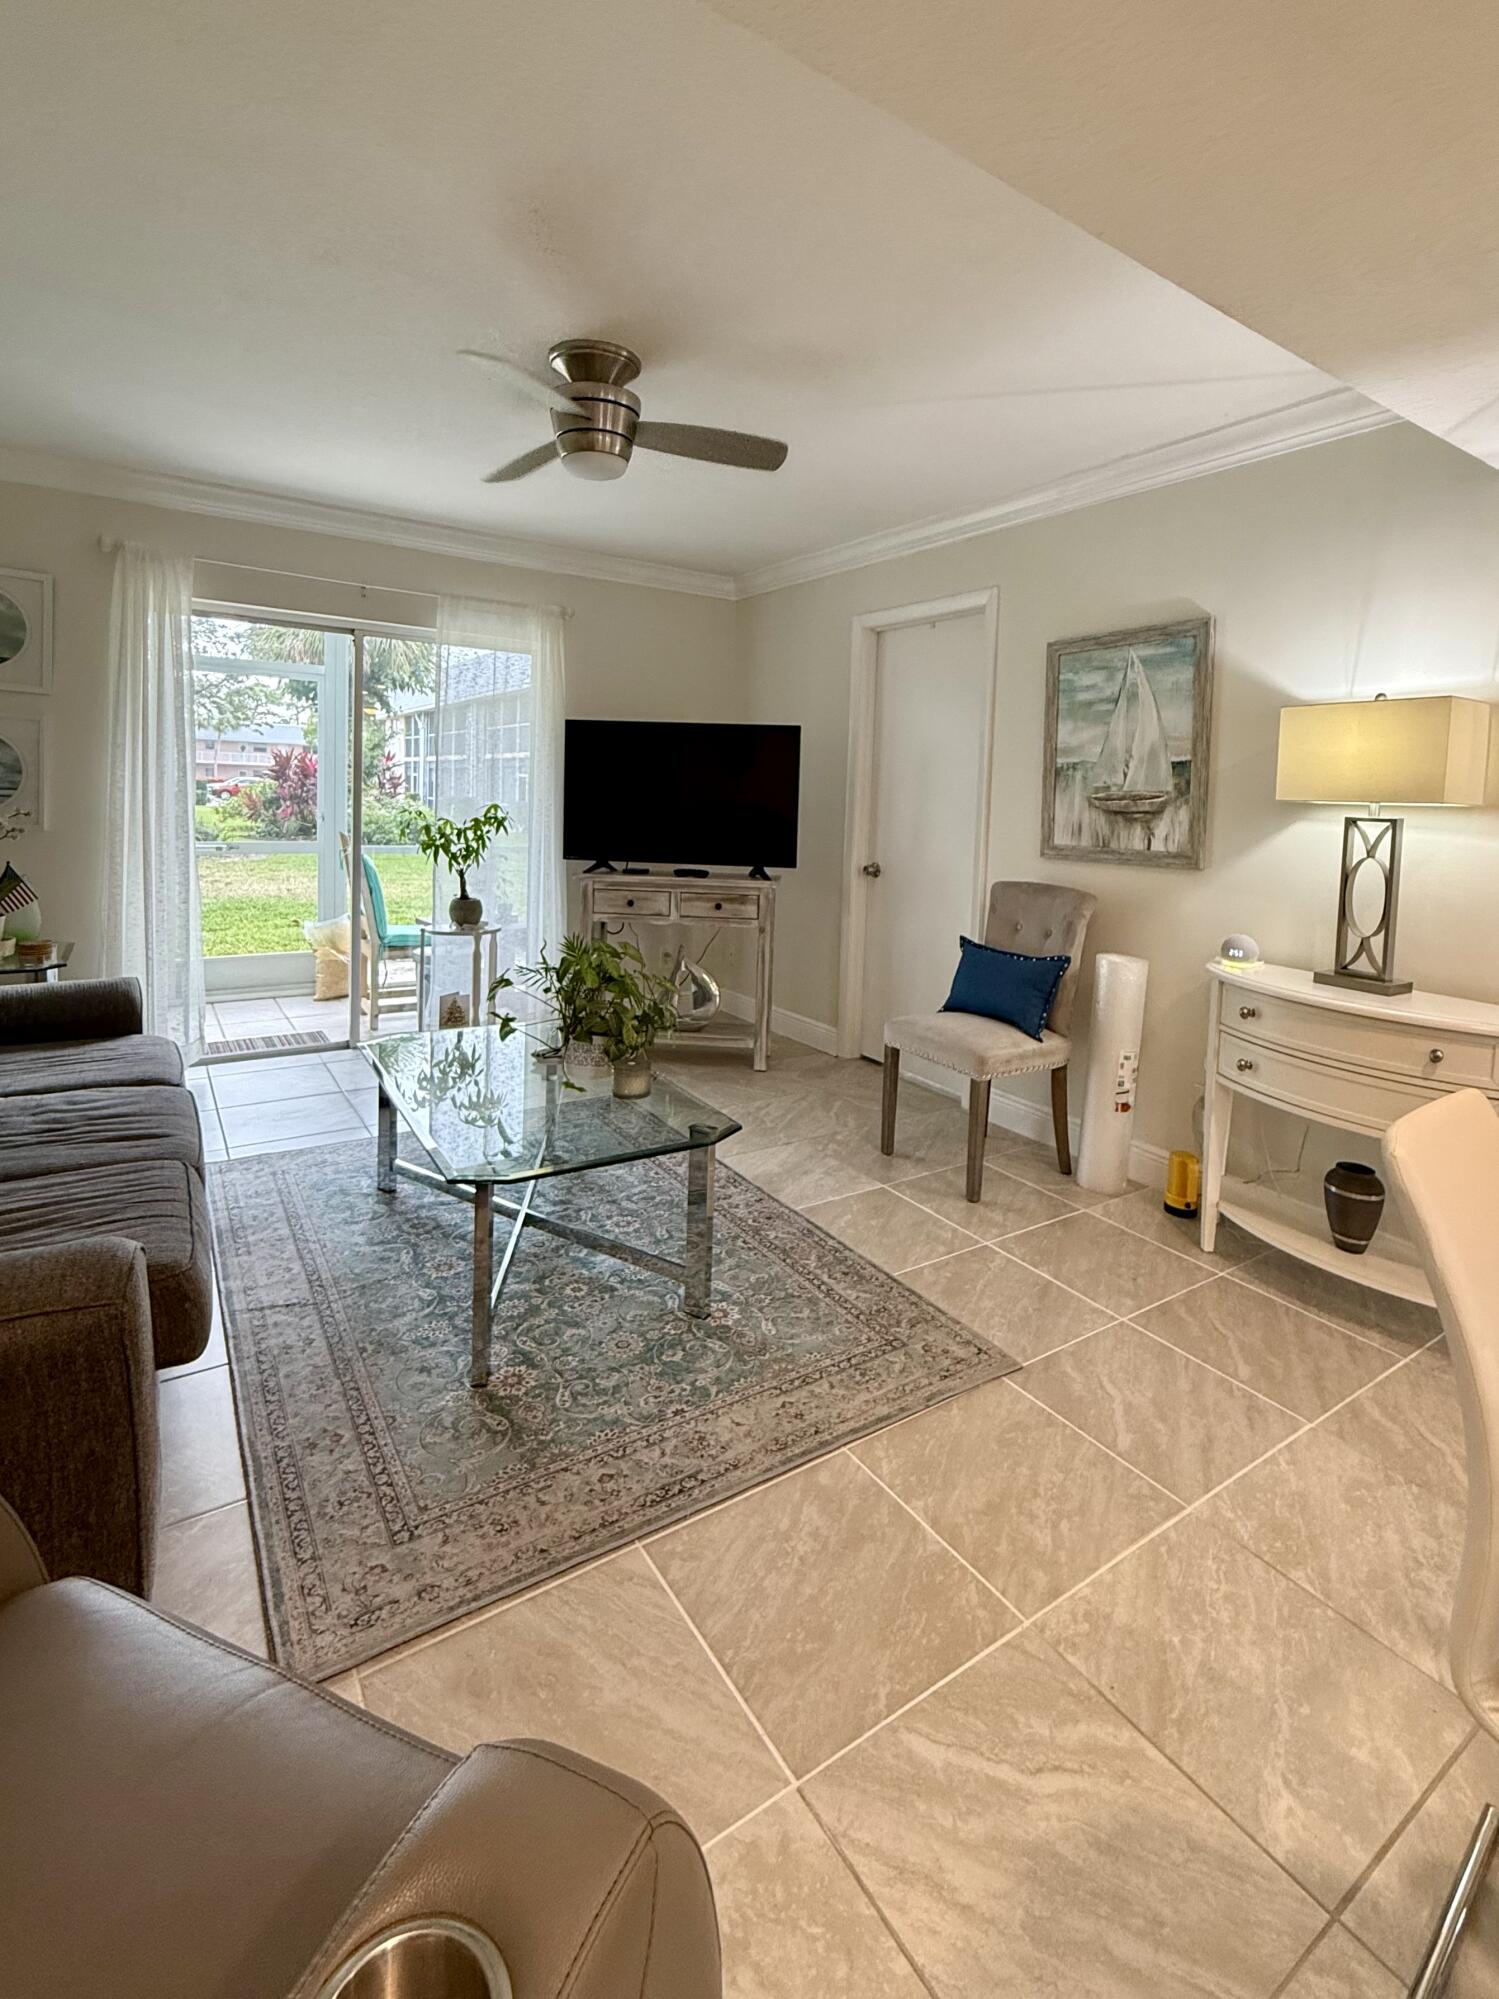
{"x": 1422, "y": 750}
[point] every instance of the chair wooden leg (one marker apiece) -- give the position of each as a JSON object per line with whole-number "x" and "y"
{"x": 1059, "y": 1119}
{"x": 887, "y": 1099}
{"x": 978, "y": 1132}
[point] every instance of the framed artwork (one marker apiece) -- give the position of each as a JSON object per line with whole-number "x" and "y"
{"x": 1128, "y": 724}
{"x": 21, "y": 749}
{"x": 25, "y": 632}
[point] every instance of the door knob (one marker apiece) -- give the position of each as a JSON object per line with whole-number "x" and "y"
{"x": 873, "y": 870}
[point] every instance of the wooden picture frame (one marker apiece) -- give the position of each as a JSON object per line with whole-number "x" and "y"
{"x": 25, "y": 632}
{"x": 1126, "y": 763}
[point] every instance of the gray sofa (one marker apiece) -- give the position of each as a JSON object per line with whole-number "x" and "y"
{"x": 106, "y": 1268}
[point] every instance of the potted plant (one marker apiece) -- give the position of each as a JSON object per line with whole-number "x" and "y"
{"x": 608, "y": 1004}
{"x": 460, "y": 844}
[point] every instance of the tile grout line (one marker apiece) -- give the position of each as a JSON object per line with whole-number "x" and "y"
{"x": 1222, "y": 1374}
{"x": 886, "y": 1920}
{"x": 1087, "y": 1435}
{"x": 723, "y": 1672}
{"x": 850, "y": 1451}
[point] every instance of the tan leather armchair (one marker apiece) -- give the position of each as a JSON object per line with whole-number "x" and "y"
{"x": 179, "y": 1820}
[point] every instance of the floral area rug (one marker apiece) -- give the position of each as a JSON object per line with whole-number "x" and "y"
{"x": 387, "y": 1496}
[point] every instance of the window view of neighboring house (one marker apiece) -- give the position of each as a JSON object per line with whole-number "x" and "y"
{"x": 220, "y": 757}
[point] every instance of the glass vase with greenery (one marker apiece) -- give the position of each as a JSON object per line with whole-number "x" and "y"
{"x": 460, "y": 844}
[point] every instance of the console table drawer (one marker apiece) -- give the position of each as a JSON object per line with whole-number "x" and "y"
{"x": 1360, "y": 1042}
{"x": 1340, "y": 1096}
{"x": 632, "y": 902}
{"x": 702, "y": 904}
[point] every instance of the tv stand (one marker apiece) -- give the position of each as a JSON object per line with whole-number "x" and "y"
{"x": 730, "y": 901}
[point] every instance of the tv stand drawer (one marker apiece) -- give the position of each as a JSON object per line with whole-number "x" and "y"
{"x": 717, "y": 905}
{"x": 632, "y": 902}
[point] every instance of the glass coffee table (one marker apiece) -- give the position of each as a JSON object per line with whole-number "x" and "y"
{"x": 495, "y": 1111}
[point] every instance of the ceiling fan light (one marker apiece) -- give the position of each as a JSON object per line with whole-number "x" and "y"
{"x": 596, "y": 465}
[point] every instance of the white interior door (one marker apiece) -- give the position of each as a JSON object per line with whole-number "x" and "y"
{"x": 931, "y": 710}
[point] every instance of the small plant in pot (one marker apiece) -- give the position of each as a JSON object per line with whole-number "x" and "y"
{"x": 460, "y": 845}
{"x": 609, "y": 1006}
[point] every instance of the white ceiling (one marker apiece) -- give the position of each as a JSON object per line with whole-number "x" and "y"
{"x": 243, "y": 238}
{"x": 1326, "y": 171}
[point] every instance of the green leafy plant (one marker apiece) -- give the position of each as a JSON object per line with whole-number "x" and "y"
{"x": 460, "y": 844}
{"x": 599, "y": 989}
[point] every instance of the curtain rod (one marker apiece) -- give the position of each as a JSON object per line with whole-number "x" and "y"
{"x": 110, "y": 544}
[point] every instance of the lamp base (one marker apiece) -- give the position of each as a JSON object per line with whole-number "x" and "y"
{"x": 1360, "y": 982}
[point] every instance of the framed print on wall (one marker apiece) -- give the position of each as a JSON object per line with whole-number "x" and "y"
{"x": 1128, "y": 726}
{"x": 25, "y": 632}
{"x": 21, "y": 747}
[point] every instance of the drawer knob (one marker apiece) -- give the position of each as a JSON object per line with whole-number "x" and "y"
{"x": 718, "y": 905}
{"x": 1243, "y": 1063}
{"x": 1248, "y": 1012}
{"x": 629, "y": 902}
{"x": 1435, "y": 1055}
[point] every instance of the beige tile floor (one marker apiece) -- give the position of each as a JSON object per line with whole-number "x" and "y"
{"x": 1124, "y": 1676}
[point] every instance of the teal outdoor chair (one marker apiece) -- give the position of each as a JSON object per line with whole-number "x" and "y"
{"x": 381, "y": 941}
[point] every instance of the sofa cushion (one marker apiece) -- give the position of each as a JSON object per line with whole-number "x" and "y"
{"x": 38, "y": 1067}
{"x": 118, "y": 1126}
{"x": 178, "y": 1821}
{"x": 158, "y": 1203}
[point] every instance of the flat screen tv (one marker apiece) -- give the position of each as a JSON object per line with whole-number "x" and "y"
{"x": 714, "y": 794}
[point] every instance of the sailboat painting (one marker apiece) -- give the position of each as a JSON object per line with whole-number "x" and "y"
{"x": 1128, "y": 720}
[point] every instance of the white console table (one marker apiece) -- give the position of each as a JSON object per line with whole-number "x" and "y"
{"x": 1351, "y": 1060}
{"x": 612, "y": 901}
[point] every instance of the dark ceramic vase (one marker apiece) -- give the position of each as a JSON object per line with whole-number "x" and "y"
{"x": 1354, "y": 1196}
{"x": 465, "y": 912}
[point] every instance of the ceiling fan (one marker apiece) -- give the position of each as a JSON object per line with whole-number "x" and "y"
{"x": 596, "y": 421}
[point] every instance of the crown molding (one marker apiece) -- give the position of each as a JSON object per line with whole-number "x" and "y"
{"x": 281, "y": 510}
{"x": 1320, "y": 419}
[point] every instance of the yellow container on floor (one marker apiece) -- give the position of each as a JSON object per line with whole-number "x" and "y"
{"x": 1183, "y": 1184}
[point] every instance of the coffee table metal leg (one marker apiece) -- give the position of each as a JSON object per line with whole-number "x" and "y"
{"x": 478, "y": 1367}
{"x": 697, "y": 1285}
{"x": 385, "y": 1145}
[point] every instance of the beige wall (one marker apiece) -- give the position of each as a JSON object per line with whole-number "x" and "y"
{"x": 1364, "y": 565}
{"x": 630, "y": 651}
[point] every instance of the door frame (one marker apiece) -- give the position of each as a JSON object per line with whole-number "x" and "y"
{"x": 859, "y": 799}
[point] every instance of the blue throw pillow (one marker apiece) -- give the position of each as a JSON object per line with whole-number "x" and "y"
{"x": 1005, "y": 985}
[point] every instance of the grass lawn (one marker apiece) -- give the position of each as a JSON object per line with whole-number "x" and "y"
{"x": 259, "y": 902}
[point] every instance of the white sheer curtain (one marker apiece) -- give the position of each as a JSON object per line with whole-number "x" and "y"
{"x": 149, "y": 919}
{"x": 499, "y": 740}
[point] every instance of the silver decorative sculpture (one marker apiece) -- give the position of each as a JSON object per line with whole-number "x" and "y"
{"x": 698, "y": 996}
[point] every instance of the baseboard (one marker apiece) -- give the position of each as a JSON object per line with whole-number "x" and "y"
{"x": 1147, "y": 1163}
{"x": 795, "y": 1026}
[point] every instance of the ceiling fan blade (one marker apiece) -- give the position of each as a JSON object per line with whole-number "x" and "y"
{"x": 529, "y": 461}
{"x": 536, "y": 388}
{"x": 717, "y": 447}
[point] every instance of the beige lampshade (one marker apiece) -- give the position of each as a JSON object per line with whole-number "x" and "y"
{"x": 1423, "y": 750}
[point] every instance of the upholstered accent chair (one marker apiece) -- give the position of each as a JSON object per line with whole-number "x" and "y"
{"x": 1040, "y": 919}
{"x": 1443, "y": 1162}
